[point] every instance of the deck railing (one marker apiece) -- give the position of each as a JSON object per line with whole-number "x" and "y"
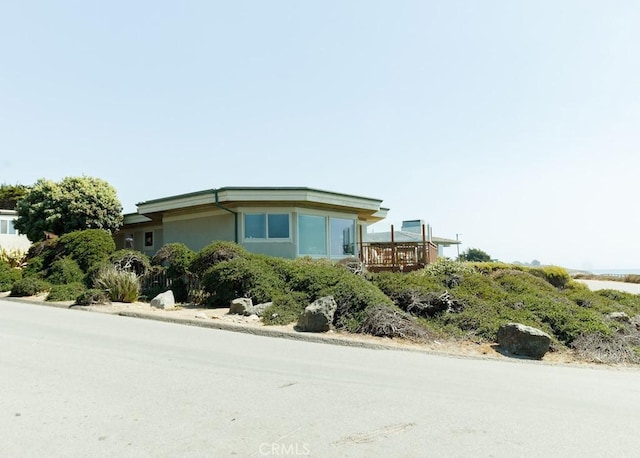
{"x": 398, "y": 256}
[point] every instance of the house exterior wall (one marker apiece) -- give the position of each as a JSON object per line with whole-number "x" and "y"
{"x": 198, "y": 231}
{"x": 258, "y": 226}
{"x": 10, "y": 238}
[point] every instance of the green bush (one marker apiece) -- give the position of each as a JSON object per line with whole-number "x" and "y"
{"x": 121, "y": 286}
{"x": 131, "y": 261}
{"x": 556, "y": 276}
{"x": 35, "y": 268}
{"x": 92, "y": 297}
{"x": 214, "y": 253}
{"x": 8, "y": 276}
{"x": 87, "y": 247}
{"x": 241, "y": 277}
{"x": 29, "y": 286}
{"x": 66, "y": 292}
{"x": 63, "y": 271}
{"x": 176, "y": 258}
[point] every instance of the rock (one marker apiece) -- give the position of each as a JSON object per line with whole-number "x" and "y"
{"x": 619, "y": 316}
{"x": 260, "y": 308}
{"x": 202, "y": 315}
{"x": 164, "y": 301}
{"x": 519, "y": 339}
{"x": 318, "y": 316}
{"x": 241, "y": 306}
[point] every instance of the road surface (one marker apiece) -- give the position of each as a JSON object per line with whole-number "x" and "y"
{"x": 595, "y": 285}
{"x": 77, "y": 383}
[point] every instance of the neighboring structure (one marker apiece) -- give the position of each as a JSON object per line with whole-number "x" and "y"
{"x": 410, "y": 248}
{"x": 278, "y": 221}
{"x": 10, "y": 238}
{"x": 411, "y": 232}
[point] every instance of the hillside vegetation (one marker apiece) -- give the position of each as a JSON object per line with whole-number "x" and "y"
{"x": 458, "y": 300}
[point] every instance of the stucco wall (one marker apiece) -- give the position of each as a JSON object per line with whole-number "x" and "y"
{"x": 14, "y": 242}
{"x": 197, "y": 233}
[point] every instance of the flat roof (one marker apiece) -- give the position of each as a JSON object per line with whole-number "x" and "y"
{"x": 252, "y": 189}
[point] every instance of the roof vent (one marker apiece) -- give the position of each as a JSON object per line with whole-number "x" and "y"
{"x": 413, "y": 225}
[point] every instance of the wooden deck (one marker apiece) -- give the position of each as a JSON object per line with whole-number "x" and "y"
{"x": 397, "y": 257}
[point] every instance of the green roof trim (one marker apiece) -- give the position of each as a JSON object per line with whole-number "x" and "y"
{"x": 253, "y": 188}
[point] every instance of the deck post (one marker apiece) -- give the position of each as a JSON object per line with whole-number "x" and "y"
{"x": 360, "y": 253}
{"x": 425, "y": 256}
{"x": 393, "y": 249}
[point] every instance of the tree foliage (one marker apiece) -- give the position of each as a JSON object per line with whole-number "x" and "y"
{"x": 11, "y": 194}
{"x": 475, "y": 255}
{"x": 75, "y": 203}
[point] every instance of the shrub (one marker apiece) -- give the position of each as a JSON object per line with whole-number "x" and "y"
{"x": 66, "y": 292}
{"x": 29, "y": 286}
{"x": 92, "y": 297}
{"x": 214, "y": 253}
{"x": 34, "y": 268}
{"x": 382, "y": 321}
{"x": 176, "y": 258}
{"x": 241, "y": 277}
{"x": 88, "y": 247}
{"x": 556, "y": 276}
{"x": 131, "y": 261}
{"x": 15, "y": 257}
{"x": 121, "y": 286}
{"x": 286, "y": 308}
{"x": 63, "y": 271}
{"x": 605, "y": 349}
{"x": 8, "y": 276}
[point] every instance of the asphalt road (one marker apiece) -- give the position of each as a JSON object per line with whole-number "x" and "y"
{"x": 595, "y": 285}
{"x": 87, "y": 384}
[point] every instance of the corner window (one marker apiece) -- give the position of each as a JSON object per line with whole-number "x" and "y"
{"x": 312, "y": 235}
{"x": 148, "y": 239}
{"x": 342, "y": 237}
{"x": 266, "y": 226}
{"x": 4, "y": 226}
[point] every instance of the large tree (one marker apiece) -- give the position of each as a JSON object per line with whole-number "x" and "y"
{"x": 75, "y": 203}
{"x": 11, "y": 194}
{"x": 474, "y": 255}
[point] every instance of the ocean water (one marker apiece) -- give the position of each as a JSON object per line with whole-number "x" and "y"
{"x": 615, "y": 271}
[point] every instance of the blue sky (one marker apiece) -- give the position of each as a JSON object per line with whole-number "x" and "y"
{"x": 515, "y": 124}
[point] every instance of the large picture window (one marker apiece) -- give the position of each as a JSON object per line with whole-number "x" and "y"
{"x": 326, "y": 236}
{"x": 266, "y": 226}
{"x": 312, "y": 235}
{"x": 342, "y": 237}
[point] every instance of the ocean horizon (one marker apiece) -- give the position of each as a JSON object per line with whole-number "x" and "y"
{"x": 614, "y": 271}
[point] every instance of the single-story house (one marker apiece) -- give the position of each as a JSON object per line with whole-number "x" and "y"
{"x": 10, "y": 238}
{"x": 286, "y": 222}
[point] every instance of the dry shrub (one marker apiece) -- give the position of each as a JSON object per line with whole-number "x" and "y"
{"x": 605, "y": 349}
{"x": 384, "y": 321}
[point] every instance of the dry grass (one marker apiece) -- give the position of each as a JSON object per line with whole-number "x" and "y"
{"x": 383, "y": 321}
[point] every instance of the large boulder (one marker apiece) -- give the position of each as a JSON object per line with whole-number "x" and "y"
{"x": 164, "y": 301}
{"x": 241, "y": 306}
{"x": 519, "y": 339}
{"x": 259, "y": 309}
{"x": 318, "y": 316}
